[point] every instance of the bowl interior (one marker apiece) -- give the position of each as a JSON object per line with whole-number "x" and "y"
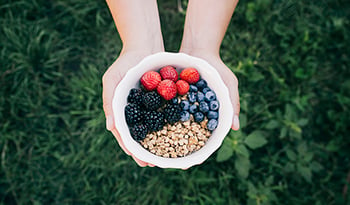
{"x": 179, "y": 61}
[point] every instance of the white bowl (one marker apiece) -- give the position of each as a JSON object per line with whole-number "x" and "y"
{"x": 179, "y": 61}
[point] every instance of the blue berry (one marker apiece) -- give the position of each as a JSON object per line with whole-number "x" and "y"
{"x": 174, "y": 101}
{"x": 192, "y": 97}
{"x": 214, "y": 105}
{"x": 193, "y": 108}
{"x": 212, "y": 124}
{"x": 210, "y": 96}
{"x": 206, "y": 89}
{"x": 203, "y": 107}
{"x": 213, "y": 115}
{"x": 193, "y": 88}
{"x": 201, "y": 84}
{"x": 198, "y": 117}
{"x": 185, "y": 116}
{"x": 185, "y": 105}
{"x": 200, "y": 96}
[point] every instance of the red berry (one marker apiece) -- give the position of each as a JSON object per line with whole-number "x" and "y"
{"x": 169, "y": 72}
{"x": 167, "y": 89}
{"x": 190, "y": 75}
{"x": 182, "y": 87}
{"x": 150, "y": 80}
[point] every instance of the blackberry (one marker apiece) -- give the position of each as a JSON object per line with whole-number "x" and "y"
{"x": 138, "y": 131}
{"x": 172, "y": 113}
{"x": 152, "y": 100}
{"x": 133, "y": 114}
{"x": 154, "y": 120}
{"x": 135, "y": 96}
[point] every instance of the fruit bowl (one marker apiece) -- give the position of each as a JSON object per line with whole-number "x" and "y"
{"x": 180, "y": 61}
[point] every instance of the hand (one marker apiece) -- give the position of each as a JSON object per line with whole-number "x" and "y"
{"x": 227, "y": 76}
{"x": 110, "y": 81}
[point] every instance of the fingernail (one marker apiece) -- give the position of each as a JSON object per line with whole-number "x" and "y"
{"x": 109, "y": 123}
{"x": 236, "y": 122}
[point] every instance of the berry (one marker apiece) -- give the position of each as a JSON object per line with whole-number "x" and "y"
{"x": 190, "y": 75}
{"x": 182, "y": 87}
{"x": 192, "y": 97}
{"x": 198, "y": 117}
{"x": 200, "y": 96}
{"x": 193, "y": 108}
{"x": 203, "y": 107}
{"x": 185, "y": 116}
{"x": 172, "y": 113}
{"x": 212, "y": 124}
{"x": 206, "y": 89}
{"x": 133, "y": 114}
{"x": 214, "y": 105}
{"x": 138, "y": 131}
{"x": 185, "y": 105}
{"x": 213, "y": 115}
{"x": 210, "y": 96}
{"x": 154, "y": 120}
{"x": 135, "y": 96}
{"x": 152, "y": 100}
{"x": 201, "y": 84}
{"x": 174, "y": 101}
{"x": 169, "y": 72}
{"x": 150, "y": 80}
{"x": 193, "y": 88}
{"x": 167, "y": 89}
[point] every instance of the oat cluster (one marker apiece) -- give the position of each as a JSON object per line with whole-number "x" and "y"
{"x": 177, "y": 140}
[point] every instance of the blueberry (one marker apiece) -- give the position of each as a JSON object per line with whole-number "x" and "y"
{"x": 193, "y": 108}
{"x": 185, "y": 105}
{"x": 193, "y": 88}
{"x": 203, "y": 107}
{"x": 201, "y": 84}
{"x": 192, "y": 97}
{"x": 210, "y": 96}
{"x": 174, "y": 101}
{"x": 212, "y": 124}
{"x": 185, "y": 116}
{"x": 213, "y": 115}
{"x": 200, "y": 96}
{"x": 198, "y": 117}
{"x": 206, "y": 89}
{"x": 214, "y": 105}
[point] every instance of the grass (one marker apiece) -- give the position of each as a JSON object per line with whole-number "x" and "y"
{"x": 292, "y": 62}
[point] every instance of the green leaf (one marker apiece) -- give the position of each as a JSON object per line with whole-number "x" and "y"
{"x": 283, "y": 132}
{"x": 225, "y": 151}
{"x": 302, "y": 122}
{"x": 305, "y": 172}
{"x": 242, "y": 120}
{"x": 272, "y": 124}
{"x": 242, "y": 149}
{"x": 291, "y": 155}
{"x": 242, "y": 165}
{"x": 256, "y": 139}
{"x": 315, "y": 166}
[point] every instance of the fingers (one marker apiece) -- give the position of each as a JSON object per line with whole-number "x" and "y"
{"x": 139, "y": 162}
{"x": 231, "y": 82}
{"x": 120, "y": 141}
{"x": 109, "y": 84}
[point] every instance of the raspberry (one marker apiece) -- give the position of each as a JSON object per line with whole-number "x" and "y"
{"x": 167, "y": 89}
{"x": 169, "y": 72}
{"x": 182, "y": 87}
{"x": 172, "y": 113}
{"x": 133, "y": 114}
{"x": 135, "y": 96}
{"x": 138, "y": 131}
{"x": 152, "y": 100}
{"x": 150, "y": 80}
{"x": 191, "y": 75}
{"x": 154, "y": 120}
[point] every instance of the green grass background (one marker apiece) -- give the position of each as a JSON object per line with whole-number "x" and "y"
{"x": 292, "y": 61}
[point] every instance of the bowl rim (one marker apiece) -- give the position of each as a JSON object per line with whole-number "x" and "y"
{"x": 144, "y": 155}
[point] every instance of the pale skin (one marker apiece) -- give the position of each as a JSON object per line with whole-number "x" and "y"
{"x": 138, "y": 24}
